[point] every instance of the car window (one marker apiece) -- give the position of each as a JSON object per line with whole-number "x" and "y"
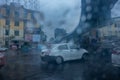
{"x": 43, "y": 47}
{"x": 63, "y": 47}
{"x": 73, "y": 47}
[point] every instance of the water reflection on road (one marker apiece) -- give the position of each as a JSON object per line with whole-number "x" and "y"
{"x": 29, "y": 67}
{"x": 66, "y": 71}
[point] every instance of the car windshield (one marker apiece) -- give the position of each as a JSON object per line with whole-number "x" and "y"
{"x": 63, "y": 47}
{"x": 59, "y": 46}
{"x": 43, "y": 47}
{"x": 34, "y": 32}
{"x": 73, "y": 47}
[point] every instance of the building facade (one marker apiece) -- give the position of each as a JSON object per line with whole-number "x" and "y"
{"x": 13, "y": 22}
{"x": 112, "y": 29}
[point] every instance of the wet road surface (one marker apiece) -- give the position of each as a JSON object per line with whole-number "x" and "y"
{"x": 21, "y": 67}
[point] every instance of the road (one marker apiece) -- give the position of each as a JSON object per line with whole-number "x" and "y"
{"x": 20, "y": 67}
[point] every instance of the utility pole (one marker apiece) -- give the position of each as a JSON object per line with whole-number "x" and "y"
{"x": 4, "y": 35}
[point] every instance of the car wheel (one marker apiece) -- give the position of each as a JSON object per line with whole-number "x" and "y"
{"x": 85, "y": 56}
{"x": 59, "y": 60}
{"x": 43, "y": 62}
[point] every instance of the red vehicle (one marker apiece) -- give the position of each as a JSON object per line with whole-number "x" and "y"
{"x": 2, "y": 59}
{"x": 116, "y": 51}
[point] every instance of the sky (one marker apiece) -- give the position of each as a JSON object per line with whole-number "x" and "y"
{"x": 60, "y": 14}
{"x": 63, "y": 14}
{"x": 116, "y": 10}
{"x": 55, "y": 9}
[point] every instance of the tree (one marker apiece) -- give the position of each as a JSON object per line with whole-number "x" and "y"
{"x": 99, "y": 13}
{"x": 59, "y": 33}
{"x": 51, "y": 40}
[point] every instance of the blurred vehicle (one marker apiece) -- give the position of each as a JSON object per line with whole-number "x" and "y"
{"x": 2, "y": 58}
{"x": 63, "y": 52}
{"x": 17, "y": 44}
{"x": 25, "y": 48}
{"x": 116, "y": 51}
{"x": 116, "y": 57}
{"x": 14, "y": 47}
{"x": 41, "y": 47}
{"x": 3, "y": 49}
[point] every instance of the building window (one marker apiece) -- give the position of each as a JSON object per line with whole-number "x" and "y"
{"x": 16, "y": 23}
{"x": 16, "y": 33}
{"x": 25, "y": 14}
{"x": 109, "y": 32}
{"x": 6, "y": 32}
{"x": 7, "y": 22}
{"x": 29, "y": 16}
{"x": 16, "y": 14}
{"x": 3, "y": 12}
{"x": 7, "y": 11}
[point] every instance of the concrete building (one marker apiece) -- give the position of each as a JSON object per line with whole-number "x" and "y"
{"x": 112, "y": 29}
{"x": 13, "y": 22}
{"x": 1, "y": 30}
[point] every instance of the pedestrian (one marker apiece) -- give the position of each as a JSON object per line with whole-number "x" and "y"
{"x": 85, "y": 42}
{"x": 25, "y": 48}
{"x": 94, "y": 44}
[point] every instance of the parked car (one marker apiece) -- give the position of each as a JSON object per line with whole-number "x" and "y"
{"x": 2, "y": 59}
{"x": 3, "y": 49}
{"x": 116, "y": 57}
{"x": 116, "y": 60}
{"x": 41, "y": 47}
{"x": 63, "y": 52}
{"x": 116, "y": 51}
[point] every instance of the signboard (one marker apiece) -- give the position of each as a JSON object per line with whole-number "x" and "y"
{"x": 36, "y": 38}
{"x": 28, "y": 37}
{"x": 32, "y": 30}
{"x": 29, "y": 30}
{"x": 37, "y": 30}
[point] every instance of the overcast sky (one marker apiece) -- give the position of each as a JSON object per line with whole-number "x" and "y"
{"x": 60, "y": 14}
{"x": 116, "y": 10}
{"x": 54, "y": 12}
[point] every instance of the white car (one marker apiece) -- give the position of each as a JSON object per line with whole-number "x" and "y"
{"x": 3, "y": 49}
{"x": 2, "y": 60}
{"x": 63, "y": 52}
{"x": 116, "y": 60}
{"x": 116, "y": 57}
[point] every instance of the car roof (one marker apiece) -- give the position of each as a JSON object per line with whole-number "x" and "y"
{"x": 61, "y": 44}
{"x": 56, "y": 45}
